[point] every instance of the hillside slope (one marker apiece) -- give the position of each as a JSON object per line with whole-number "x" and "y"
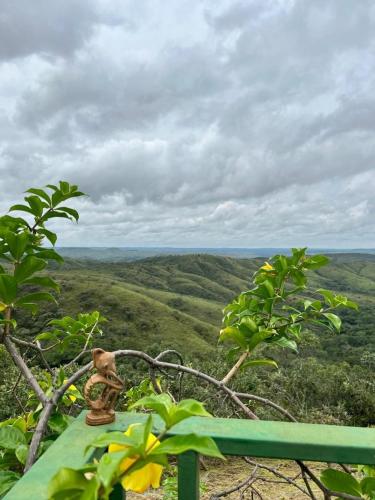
{"x": 176, "y": 301}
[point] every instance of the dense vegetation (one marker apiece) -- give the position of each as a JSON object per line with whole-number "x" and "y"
{"x": 177, "y": 301}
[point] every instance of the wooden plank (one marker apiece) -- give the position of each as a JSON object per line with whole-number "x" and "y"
{"x": 188, "y": 476}
{"x": 326, "y": 443}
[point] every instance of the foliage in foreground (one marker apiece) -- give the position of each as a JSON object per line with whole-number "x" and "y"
{"x": 135, "y": 458}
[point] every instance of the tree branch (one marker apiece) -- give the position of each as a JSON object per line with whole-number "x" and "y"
{"x": 267, "y": 402}
{"x": 38, "y": 434}
{"x": 232, "y": 372}
{"x": 186, "y": 369}
{"x": 25, "y": 370}
{"x": 276, "y": 473}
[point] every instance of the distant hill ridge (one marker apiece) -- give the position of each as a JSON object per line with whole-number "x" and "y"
{"x": 116, "y": 254}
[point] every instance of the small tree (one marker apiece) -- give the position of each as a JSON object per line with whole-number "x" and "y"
{"x": 274, "y": 312}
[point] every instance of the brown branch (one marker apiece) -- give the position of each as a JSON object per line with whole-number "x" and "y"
{"x": 267, "y": 402}
{"x": 38, "y": 434}
{"x": 232, "y": 372}
{"x": 327, "y": 492}
{"x": 25, "y": 370}
{"x": 276, "y": 473}
{"x": 186, "y": 369}
{"x": 36, "y": 347}
{"x": 244, "y": 484}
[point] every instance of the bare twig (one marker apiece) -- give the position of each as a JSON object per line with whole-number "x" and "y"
{"x": 267, "y": 402}
{"x": 276, "y": 473}
{"x": 244, "y": 484}
{"x": 84, "y": 349}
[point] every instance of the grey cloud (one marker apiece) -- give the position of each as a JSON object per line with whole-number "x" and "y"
{"x": 93, "y": 95}
{"x": 44, "y": 27}
{"x": 246, "y": 123}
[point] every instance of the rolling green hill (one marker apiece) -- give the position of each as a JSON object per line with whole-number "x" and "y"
{"x": 176, "y": 301}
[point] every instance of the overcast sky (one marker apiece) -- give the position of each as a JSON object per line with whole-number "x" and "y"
{"x": 194, "y": 123}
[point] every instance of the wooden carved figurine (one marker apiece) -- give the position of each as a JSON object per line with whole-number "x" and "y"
{"x": 102, "y": 409}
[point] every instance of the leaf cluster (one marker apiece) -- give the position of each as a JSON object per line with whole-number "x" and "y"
{"x": 274, "y": 311}
{"x": 345, "y": 482}
{"x": 22, "y": 254}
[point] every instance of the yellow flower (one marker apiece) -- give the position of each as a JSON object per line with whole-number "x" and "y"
{"x": 72, "y": 388}
{"x": 267, "y": 267}
{"x": 140, "y": 480}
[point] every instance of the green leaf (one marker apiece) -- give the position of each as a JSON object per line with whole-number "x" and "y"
{"x": 109, "y": 466}
{"x": 21, "y": 453}
{"x": 8, "y": 288}
{"x": 64, "y": 187}
{"x": 70, "y": 211}
{"x": 328, "y": 296}
{"x": 315, "y": 262}
{"x": 21, "y": 208}
{"x": 339, "y": 481}
{"x": 44, "y": 281}
{"x": 17, "y": 244}
{"x": 289, "y": 344}
{"x": 179, "y": 444}
{"x": 69, "y": 484}
{"x": 49, "y": 235}
{"x": 298, "y": 277}
{"x": 32, "y": 298}
{"x": 28, "y": 267}
{"x": 368, "y": 487}
{"x": 260, "y": 362}
{"x": 49, "y": 254}
{"x": 232, "y": 334}
{"x": 36, "y": 205}
{"x": 149, "y": 459}
{"x": 8, "y": 461}
{"x": 53, "y": 214}
{"x": 334, "y": 320}
{"x": 269, "y": 287}
{"x": 11, "y": 437}
{"x": 185, "y": 409}
{"x": 40, "y": 193}
{"x": 45, "y": 336}
{"x": 352, "y": 305}
{"x": 7, "y": 480}
{"x": 258, "y": 337}
{"x": 249, "y": 323}
{"x": 59, "y": 422}
{"x": 116, "y": 437}
{"x": 161, "y": 403}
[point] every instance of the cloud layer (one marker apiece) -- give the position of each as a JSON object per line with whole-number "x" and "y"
{"x": 194, "y": 123}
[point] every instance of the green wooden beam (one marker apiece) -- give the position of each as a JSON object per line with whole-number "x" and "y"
{"x": 282, "y": 440}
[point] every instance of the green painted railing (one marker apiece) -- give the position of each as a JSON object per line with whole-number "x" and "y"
{"x": 323, "y": 443}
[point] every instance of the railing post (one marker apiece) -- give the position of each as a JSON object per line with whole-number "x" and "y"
{"x": 118, "y": 493}
{"x": 188, "y": 476}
